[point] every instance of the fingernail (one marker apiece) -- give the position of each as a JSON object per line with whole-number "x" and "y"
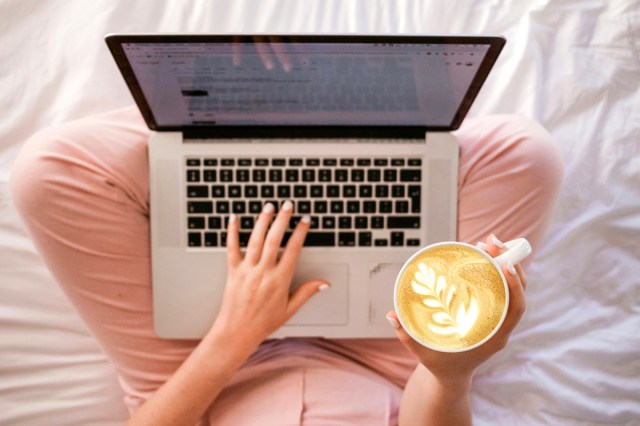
{"x": 306, "y": 218}
{"x": 497, "y": 242}
{"x": 511, "y": 269}
{"x": 268, "y": 208}
{"x": 287, "y": 205}
{"x": 394, "y": 322}
{"x": 323, "y": 287}
{"x": 482, "y": 246}
{"x": 232, "y": 219}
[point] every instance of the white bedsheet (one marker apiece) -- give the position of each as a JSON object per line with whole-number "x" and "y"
{"x": 573, "y": 64}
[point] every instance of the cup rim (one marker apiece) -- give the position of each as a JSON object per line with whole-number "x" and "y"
{"x": 447, "y": 243}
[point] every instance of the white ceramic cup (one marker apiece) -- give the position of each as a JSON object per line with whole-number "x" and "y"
{"x": 453, "y": 306}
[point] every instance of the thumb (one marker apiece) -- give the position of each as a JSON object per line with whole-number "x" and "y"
{"x": 303, "y": 293}
{"x": 413, "y": 346}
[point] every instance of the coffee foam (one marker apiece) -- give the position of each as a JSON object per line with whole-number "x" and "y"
{"x": 451, "y": 297}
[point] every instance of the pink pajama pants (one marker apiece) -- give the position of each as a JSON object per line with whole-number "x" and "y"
{"x": 82, "y": 189}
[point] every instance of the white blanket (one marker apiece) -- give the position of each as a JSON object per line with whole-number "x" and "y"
{"x": 574, "y": 65}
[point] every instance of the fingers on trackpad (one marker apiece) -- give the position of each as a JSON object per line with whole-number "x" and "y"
{"x": 328, "y": 307}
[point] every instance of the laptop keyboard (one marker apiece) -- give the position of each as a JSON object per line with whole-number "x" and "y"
{"x": 352, "y": 202}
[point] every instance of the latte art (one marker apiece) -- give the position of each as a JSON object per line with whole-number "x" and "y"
{"x": 450, "y": 297}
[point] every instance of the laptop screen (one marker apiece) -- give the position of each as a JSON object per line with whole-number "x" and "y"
{"x": 182, "y": 82}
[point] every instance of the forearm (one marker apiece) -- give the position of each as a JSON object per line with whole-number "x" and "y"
{"x": 186, "y": 396}
{"x": 429, "y": 401}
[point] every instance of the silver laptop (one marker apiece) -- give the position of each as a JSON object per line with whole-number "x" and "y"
{"x": 353, "y": 129}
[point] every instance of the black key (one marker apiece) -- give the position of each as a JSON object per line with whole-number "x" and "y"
{"x": 275, "y": 175}
{"x": 324, "y": 175}
{"x": 195, "y": 239}
{"x": 239, "y": 207}
{"x": 247, "y": 222}
{"x": 278, "y": 162}
{"x": 223, "y": 239}
{"x": 284, "y": 191}
{"x": 366, "y": 191}
{"x": 402, "y": 206}
{"x": 315, "y": 222}
{"x": 317, "y": 191}
{"x": 320, "y": 207}
{"x": 385, "y": 206}
{"x": 413, "y": 242}
{"x": 295, "y": 162}
{"x": 397, "y": 191}
{"x": 242, "y": 175}
{"x": 397, "y": 161}
{"x": 341, "y": 175}
{"x": 243, "y": 237}
{"x": 226, "y": 175}
{"x": 195, "y": 222}
{"x": 304, "y": 207}
{"x": 262, "y": 162}
{"x": 415, "y": 162}
{"x": 382, "y": 191}
{"x": 259, "y": 175}
{"x": 337, "y": 207}
{"x": 363, "y": 162}
{"x": 377, "y": 222}
{"x": 300, "y": 191}
{"x": 200, "y": 207}
{"x": 346, "y": 239}
{"x": 381, "y": 242}
{"x": 251, "y": 191}
{"x": 313, "y": 162}
{"x": 349, "y": 191}
{"x": 373, "y": 175}
{"x": 390, "y": 175}
{"x": 357, "y": 175}
{"x": 293, "y": 222}
{"x": 255, "y": 207}
{"x": 292, "y": 175}
{"x": 329, "y": 162}
{"x": 211, "y": 162}
{"x": 364, "y": 239}
{"x": 210, "y": 175}
{"x": 414, "y": 192}
{"x": 353, "y": 206}
{"x": 308, "y": 175}
{"x": 380, "y": 162}
{"x": 193, "y": 162}
{"x": 362, "y": 222}
{"x": 193, "y": 175}
{"x": 411, "y": 175}
{"x": 397, "y": 239}
{"x": 403, "y": 222}
{"x": 215, "y": 222}
{"x": 329, "y": 222}
{"x": 197, "y": 191}
{"x": 320, "y": 239}
{"x": 344, "y": 222}
{"x": 228, "y": 162}
{"x": 346, "y": 162}
{"x": 235, "y": 191}
{"x": 217, "y": 191}
{"x": 267, "y": 191}
{"x": 210, "y": 239}
{"x": 222, "y": 207}
{"x": 368, "y": 206}
{"x": 333, "y": 191}
{"x": 244, "y": 162}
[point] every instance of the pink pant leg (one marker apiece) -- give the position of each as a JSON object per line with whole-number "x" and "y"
{"x": 82, "y": 190}
{"x": 509, "y": 178}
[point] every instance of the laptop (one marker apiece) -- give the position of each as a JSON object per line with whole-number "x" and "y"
{"x": 355, "y": 130}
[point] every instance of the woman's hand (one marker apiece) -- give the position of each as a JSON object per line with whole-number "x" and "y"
{"x": 458, "y": 367}
{"x": 257, "y": 300}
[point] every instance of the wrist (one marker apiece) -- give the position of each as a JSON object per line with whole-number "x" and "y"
{"x": 236, "y": 347}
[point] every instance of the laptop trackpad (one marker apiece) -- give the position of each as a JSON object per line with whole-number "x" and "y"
{"x": 326, "y": 307}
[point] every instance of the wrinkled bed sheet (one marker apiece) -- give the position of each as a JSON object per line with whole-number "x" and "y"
{"x": 573, "y": 65}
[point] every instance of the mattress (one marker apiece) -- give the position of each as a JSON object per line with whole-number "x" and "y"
{"x": 574, "y": 65}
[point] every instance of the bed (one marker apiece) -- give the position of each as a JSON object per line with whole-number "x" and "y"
{"x": 574, "y": 65}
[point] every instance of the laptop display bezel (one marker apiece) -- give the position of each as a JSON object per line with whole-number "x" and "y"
{"x": 115, "y": 43}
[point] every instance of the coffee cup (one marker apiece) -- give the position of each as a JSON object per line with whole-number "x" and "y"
{"x": 452, "y": 296}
